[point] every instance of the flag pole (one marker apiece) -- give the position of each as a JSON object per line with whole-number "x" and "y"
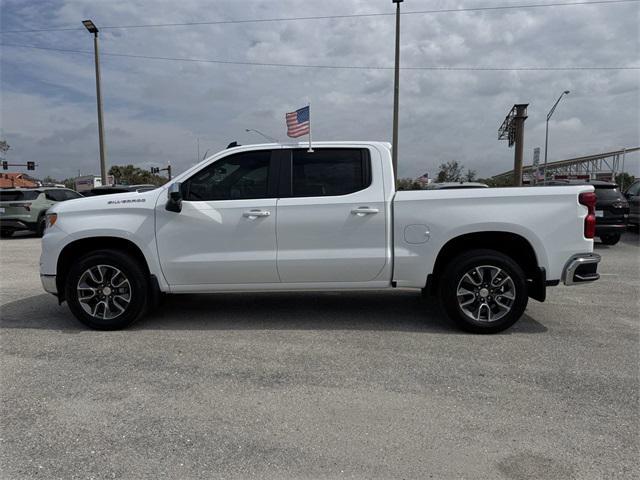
{"x": 310, "y": 149}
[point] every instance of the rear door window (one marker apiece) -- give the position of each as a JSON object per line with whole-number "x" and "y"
{"x": 329, "y": 171}
{"x": 55, "y": 195}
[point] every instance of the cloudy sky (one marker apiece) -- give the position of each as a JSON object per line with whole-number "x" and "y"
{"x": 155, "y": 110}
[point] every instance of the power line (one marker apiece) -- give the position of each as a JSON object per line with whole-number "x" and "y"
{"x": 334, "y": 67}
{"x": 333, "y": 17}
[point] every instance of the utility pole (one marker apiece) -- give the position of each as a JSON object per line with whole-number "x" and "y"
{"x": 521, "y": 116}
{"x": 512, "y": 129}
{"x": 546, "y": 135}
{"x": 90, "y": 26}
{"x": 396, "y": 93}
{"x": 624, "y": 154}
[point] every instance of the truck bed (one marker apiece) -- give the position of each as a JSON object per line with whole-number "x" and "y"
{"x": 542, "y": 215}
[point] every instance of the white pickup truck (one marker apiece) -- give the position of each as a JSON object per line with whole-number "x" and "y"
{"x": 279, "y": 217}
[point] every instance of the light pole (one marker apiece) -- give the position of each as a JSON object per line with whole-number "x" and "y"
{"x": 396, "y": 92}
{"x": 271, "y": 139}
{"x": 90, "y": 26}
{"x": 546, "y": 137}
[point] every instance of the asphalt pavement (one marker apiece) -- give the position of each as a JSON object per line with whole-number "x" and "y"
{"x": 321, "y": 385}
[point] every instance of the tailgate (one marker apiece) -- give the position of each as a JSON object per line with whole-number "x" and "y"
{"x": 11, "y": 209}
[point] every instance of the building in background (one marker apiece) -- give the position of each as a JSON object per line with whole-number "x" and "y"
{"x": 87, "y": 182}
{"x": 17, "y": 180}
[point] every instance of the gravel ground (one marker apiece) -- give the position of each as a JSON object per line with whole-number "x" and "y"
{"x": 327, "y": 385}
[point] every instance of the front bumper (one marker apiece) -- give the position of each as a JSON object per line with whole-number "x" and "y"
{"x": 49, "y": 283}
{"x": 581, "y": 268}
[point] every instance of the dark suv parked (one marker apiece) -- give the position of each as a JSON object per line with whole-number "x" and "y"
{"x": 612, "y": 209}
{"x": 633, "y": 197}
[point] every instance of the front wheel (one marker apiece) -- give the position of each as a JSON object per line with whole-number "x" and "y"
{"x": 107, "y": 290}
{"x": 610, "y": 238}
{"x": 484, "y": 291}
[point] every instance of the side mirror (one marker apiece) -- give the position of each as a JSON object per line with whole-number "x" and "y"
{"x": 174, "y": 198}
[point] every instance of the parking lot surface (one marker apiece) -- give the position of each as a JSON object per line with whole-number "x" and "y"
{"x": 321, "y": 385}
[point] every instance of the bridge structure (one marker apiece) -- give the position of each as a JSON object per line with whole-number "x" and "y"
{"x": 600, "y": 166}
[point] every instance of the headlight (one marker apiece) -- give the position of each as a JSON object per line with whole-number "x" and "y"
{"x": 52, "y": 218}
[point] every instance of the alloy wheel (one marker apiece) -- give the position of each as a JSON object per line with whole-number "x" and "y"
{"x": 104, "y": 292}
{"x": 486, "y": 293}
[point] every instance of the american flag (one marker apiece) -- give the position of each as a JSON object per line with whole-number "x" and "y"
{"x": 424, "y": 179}
{"x": 298, "y": 123}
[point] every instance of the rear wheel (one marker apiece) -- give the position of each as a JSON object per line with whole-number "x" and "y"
{"x": 6, "y": 233}
{"x": 107, "y": 290}
{"x": 484, "y": 291}
{"x": 610, "y": 238}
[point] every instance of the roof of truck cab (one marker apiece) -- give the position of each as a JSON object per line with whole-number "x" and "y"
{"x": 313, "y": 144}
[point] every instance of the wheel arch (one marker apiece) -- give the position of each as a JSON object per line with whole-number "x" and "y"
{"x": 75, "y": 249}
{"x": 511, "y": 244}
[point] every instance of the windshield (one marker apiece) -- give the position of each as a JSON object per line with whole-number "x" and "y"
{"x": 14, "y": 195}
{"x": 608, "y": 194}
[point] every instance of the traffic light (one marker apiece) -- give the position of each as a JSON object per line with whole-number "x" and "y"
{"x": 5, "y": 165}
{"x": 31, "y": 165}
{"x": 155, "y": 170}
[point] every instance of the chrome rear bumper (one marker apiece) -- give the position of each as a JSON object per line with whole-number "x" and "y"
{"x": 581, "y": 268}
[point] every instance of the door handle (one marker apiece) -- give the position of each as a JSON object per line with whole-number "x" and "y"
{"x": 362, "y": 211}
{"x": 253, "y": 214}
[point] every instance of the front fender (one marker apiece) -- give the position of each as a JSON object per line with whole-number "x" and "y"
{"x": 137, "y": 227}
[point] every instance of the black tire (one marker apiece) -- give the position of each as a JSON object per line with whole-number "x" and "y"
{"x": 610, "y": 238}
{"x": 489, "y": 261}
{"x": 6, "y": 233}
{"x": 40, "y": 226}
{"x": 137, "y": 288}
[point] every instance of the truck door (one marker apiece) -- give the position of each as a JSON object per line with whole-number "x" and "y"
{"x": 226, "y": 231}
{"x": 331, "y": 220}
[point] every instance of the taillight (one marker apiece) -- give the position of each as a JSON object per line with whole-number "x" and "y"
{"x": 26, "y": 206}
{"x": 588, "y": 199}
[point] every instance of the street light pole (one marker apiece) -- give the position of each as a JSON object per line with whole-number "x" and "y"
{"x": 546, "y": 136}
{"x": 90, "y": 26}
{"x": 396, "y": 92}
{"x": 268, "y": 137}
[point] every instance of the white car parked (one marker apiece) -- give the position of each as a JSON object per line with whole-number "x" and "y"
{"x": 277, "y": 217}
